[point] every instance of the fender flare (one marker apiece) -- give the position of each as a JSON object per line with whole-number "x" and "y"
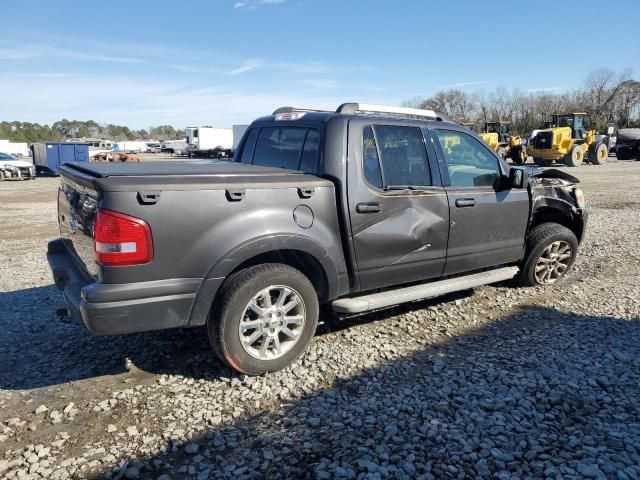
{"x": 552, "y": 203}
{"x": 560, "y": 207}
{"x": 337, "y": 278}
{"x": 269, "y": 243}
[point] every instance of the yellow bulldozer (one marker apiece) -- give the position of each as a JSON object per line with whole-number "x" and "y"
{"x": 568, "y": 140}
{"x": 498, "y": 136}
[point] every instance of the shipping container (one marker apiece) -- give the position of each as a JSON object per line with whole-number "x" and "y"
{"x": 48, "y": 156}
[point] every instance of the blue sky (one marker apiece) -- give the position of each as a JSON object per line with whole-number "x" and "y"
{"x": 222, "y": 62}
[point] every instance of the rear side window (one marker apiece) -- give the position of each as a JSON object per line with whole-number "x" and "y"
{"x": 401, "y": 152}
{"x": 296, "y": 148}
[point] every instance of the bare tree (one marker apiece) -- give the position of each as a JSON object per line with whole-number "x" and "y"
{"x": 607, "y": 96}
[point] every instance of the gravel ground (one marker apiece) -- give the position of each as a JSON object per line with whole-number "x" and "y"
{"x": 495, "y": 383}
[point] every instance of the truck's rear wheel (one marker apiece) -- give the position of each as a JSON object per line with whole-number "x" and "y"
{"x": 599, "y": 154}
{"x": 575, "y": 157}
{"x": 265, "y": 318}
{"x": 551, "y": 251}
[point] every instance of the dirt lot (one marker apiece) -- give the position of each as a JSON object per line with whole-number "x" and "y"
{"x": 495, "y": 383}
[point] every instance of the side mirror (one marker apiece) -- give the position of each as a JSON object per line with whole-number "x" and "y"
{"x": 516, "y": 178}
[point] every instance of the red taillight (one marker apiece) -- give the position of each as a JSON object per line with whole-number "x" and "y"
{"x": 119, "y": 239}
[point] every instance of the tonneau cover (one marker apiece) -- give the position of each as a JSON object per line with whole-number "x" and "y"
{"x": 162, "y": 168}
{"x": 184, "y": 175}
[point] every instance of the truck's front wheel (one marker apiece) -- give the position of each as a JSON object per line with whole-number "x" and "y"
{"x": 266, "y": 316}
{"x": 551, "y": 251}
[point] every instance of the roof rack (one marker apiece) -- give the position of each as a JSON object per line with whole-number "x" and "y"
{"x": 352, "y": 108}
{"x": 371, "y": 108}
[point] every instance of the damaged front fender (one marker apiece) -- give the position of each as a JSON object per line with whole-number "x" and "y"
{"x": 555, "y": 198}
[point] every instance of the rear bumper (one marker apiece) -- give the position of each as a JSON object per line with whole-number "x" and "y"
{"x": 111, "y": 309}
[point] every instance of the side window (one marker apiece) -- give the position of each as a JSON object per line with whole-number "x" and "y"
{"x": 249, "y": 146}
{"x": 309, "y": 159}
{"x": 370, "y": 160}
{"x": 470, "y": 164}
{"x": 404, "y": 155}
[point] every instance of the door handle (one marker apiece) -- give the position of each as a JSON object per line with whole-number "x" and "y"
{"x": 465, "y": 202}
{"x": 368, "y": 207}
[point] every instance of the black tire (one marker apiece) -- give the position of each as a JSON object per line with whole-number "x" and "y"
{"x": 538, "y": 161}
{"x": 598, "y": 154}
{"x": 539, "y": 238}
{"x": 623, "y": 153}
{"x": 575, "y": 157}
{"x": 542, "y": 162}
{"x": 237, "y": 292}
{"x": 518, "y": 155}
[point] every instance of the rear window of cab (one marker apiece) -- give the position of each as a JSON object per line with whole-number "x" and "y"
{"x": 296, "y": 148}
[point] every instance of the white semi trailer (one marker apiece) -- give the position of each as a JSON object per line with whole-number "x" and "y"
{"x": 130, "y": 147}
{"x": 19, "y": 149}
{"x": 209, "y": 142}
{"x": 238, "y": 132}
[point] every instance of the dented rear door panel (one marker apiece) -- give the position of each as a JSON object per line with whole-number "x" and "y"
{"x": 406, "y": 240}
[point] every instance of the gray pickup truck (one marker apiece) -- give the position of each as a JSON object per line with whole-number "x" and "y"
{"x": 357, "y": 209}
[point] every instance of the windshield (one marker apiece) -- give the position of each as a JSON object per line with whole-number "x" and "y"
{"x": 6, "y": 156}
{"x": 573, "y": 121}
{"x": 565, "y": 121}
{"x": 501, "y": 128}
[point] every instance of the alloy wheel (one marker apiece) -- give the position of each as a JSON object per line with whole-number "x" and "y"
{"x": 553, "y": 262}
{"x": 272, "y": 322}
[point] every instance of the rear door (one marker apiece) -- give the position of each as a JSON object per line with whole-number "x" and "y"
{"x": 488, "y": 224}
{"x": 398, "y": 208}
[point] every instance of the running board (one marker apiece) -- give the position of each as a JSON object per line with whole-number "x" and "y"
{"x": 374, "y": 301}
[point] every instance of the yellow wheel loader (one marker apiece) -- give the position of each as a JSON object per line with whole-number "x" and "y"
{"x": 567, "y": 140}
{"x": 498, "y": 136}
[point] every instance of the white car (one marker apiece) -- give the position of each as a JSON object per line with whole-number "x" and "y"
{"x": 11, "y": 167}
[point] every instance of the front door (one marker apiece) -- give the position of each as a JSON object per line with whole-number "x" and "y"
{"x": 398, "y": 208}
{"x": 488, "y": 224}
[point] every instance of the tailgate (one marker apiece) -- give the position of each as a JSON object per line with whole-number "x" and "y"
{"x": 77, "y": 206}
